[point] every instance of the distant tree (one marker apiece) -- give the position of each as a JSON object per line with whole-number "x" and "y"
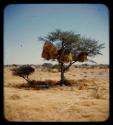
{"x": 56, "y": 66}
{"x": 14, "y": 65}
{"x": 70, "y": 49}
{"x": 48, "y": 65}
{"x": 23, "y": 71}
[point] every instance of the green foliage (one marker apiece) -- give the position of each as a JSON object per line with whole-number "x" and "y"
{"x": 91, "y": 46}
{"x": 65, "y": 36}
{"x": 74, "y": 42}
{"x": 23, "y": 71}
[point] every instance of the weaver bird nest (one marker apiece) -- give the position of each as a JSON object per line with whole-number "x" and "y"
{"x": 50, "y": 51}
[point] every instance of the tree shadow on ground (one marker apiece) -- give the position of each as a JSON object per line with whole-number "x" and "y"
{"x": 48, "y": 84}
{"x": 38, "y": 84}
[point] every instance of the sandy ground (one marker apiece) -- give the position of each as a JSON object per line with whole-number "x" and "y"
{"x": 87, "y": 100}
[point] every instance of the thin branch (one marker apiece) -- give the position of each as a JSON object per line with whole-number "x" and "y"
{"x": 62, "y": 44}
{"x": 25, "y": 78}
{"x": 69, "y": 65}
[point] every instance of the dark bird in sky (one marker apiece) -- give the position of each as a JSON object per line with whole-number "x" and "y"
{"x": 20, "y": 44}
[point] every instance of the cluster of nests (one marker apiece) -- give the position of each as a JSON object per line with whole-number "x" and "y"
{"x": 50, "y": 51}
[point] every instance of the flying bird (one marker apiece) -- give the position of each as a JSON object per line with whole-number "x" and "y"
{"x": 20, "y": 44}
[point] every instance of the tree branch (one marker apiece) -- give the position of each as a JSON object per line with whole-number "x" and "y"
{"x": 25, "y": 78}
{"x": 62, "y": 44}
{"x": 69, "y": 65}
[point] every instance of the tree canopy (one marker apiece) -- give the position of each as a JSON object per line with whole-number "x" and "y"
{"x": 74, "y": 42}
{"x": 23, "y": 71}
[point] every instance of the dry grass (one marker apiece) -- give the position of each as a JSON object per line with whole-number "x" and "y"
{"x": 87, "y": 99}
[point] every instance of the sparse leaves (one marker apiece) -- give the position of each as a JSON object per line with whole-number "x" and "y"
{"x": 66, "y": 36}
{"x": 92, "y": 47}
{"x": 74, "y": 42}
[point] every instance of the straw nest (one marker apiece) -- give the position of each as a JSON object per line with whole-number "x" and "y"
{"x": 74, "y": 57}
{"x": 64, "y": 56}
{"x": 49, "y": 51}
{"x": 82, "y": 57}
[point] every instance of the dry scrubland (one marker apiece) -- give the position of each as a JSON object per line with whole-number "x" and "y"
{"x": 86, "y": 100}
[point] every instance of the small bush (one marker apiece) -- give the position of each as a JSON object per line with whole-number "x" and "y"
{"x": 23, "y": 71}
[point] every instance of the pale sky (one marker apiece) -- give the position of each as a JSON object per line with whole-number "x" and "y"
{"x": 24, "y": 23}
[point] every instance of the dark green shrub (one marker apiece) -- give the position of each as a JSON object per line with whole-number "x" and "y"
{"x": 47, "y": 65}
{"x": 23, "y": 71}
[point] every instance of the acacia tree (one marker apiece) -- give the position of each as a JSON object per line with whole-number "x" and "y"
{"x": 74, "y": 43}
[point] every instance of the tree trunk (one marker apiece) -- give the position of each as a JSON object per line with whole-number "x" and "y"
{"x": 62, "y": 67}
{"x": 26, "y": 78}
{"x": 62, "y": 74}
